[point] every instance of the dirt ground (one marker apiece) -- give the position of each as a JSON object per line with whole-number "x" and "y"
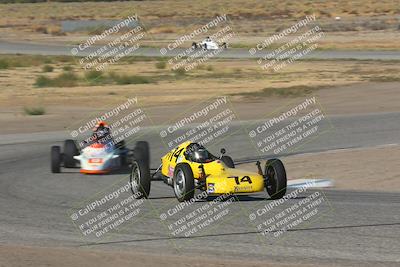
{"x": 342, "y": 87}
{"x": 371, "y": 25}
{"x": 350, "y": 99}
{"x": 44, "y": 256}
{"x": 365, "y": 169}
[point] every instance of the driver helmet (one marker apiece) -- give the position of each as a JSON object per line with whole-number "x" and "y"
{"x": 101, "y": 130}
{"x": 201, "y": 155}
{"x": 101, "y": 133}
{"x": 100, "y": 124}
{"x": 198, "y": 153}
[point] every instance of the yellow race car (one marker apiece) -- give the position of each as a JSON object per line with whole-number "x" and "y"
{"x": 190, "y": 166}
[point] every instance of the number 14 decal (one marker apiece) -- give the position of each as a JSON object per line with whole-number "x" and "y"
{"x": 175, "y": 154}
{"x": 242, "y": 180}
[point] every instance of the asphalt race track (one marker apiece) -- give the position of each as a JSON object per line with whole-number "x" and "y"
{"x": 7, "y": 47}
{"x": 360, "y": 228}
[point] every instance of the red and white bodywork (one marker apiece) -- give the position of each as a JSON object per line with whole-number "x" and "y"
{"x": 99, "y": 158}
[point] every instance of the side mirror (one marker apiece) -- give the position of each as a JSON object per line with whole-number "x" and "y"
{"x": 223, "y": 151}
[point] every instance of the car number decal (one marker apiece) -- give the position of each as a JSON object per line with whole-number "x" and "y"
{"x": 242, "y": 180}
{"x": 95, "y": 160}
{"x": 175, "y": 153}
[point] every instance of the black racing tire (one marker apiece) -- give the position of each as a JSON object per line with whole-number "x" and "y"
{"x": 70, "y": 150}
{"x": 142, "y": 151}
{"x": 183, "y": 182}
{"x": 277, "y": 181}
{"x": 228, "y": 161}
{"x": 55, "y": 159}
{"x": 124, "y": 157}
{"x": 140, "y": 179}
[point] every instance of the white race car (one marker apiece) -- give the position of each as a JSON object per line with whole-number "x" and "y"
{"x": 95, "y": 158}
{"x": 209, "y": 44}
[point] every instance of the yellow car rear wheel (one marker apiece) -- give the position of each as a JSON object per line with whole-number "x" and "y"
{"x": 277, "y": 181}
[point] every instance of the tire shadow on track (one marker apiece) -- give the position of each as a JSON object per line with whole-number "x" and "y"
{"x": 239, "y": 198}
{"x": 75, "y": 170}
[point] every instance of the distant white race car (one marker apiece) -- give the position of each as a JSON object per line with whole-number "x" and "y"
{"x": 209, "y": 44}
{"x": 95, "y": 158}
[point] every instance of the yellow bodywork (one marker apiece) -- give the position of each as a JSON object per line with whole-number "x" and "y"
{"x": 220, "y": 179}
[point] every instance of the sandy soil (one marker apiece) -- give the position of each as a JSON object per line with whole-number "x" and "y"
{"x": 348, "y": 89}
{"x": 350, "y": 99}
{"x": 45, "y": 256}
{"x": 372, "y": 25}
{"x": 365, "y": 169}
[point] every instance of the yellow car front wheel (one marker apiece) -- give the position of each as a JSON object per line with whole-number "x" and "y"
{"x": 140, "y": 179}
{"x": 183, "y": 182}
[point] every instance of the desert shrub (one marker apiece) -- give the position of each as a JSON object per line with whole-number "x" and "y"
{"x": 65, "y": 79}
{"x": 128, "y": 79}
{"x": 34, "y": 111}
{"x": 67, "y": 68}
{"x": 161, "y": 65}
{"x": 4, "y": 64}
{"x": 94, "y": 77}
{"x": 47, "y": 68}
{"x": 180, "y": 71}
